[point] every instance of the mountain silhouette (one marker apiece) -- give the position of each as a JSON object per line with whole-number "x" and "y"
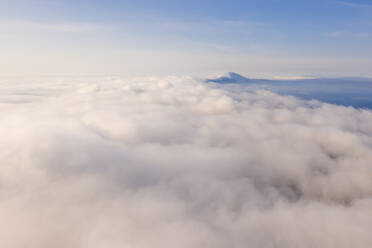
{"x": 230, "y": 77}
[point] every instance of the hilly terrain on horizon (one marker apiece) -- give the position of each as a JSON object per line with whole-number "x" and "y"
{"x": 355, "y": 92}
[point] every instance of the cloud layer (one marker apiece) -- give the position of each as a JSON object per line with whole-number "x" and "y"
{"x": 175, "y": 162}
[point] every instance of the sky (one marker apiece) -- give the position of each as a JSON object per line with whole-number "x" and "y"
{"x": 111, "y": 136}
{"x": 136, "y": 38}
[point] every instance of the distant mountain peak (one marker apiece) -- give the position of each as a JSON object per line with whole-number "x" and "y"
{"x": 230, "y": 77}
{"x": 233, "y": 75}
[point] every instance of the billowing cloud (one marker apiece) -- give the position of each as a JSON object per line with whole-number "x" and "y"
{"x": 176, "y": 162}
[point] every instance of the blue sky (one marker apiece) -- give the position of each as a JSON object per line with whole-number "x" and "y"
{"x": 260, "y": 38}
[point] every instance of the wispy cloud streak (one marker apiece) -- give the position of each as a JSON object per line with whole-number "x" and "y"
{"x": 67, "y": 27}
{"x": 355, "y": 5}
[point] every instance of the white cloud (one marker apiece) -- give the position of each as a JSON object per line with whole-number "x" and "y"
{"x": 175, "y": 162}
{"x": 355, "y": 5}
{"x": 349, "y": 34}
{"x": 70, "y": 27}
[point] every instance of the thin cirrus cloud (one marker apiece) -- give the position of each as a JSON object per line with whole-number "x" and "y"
{"x": 349, "y": 34}
{"x": 355, "y": 5}
{"x": 65, "y": 27}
